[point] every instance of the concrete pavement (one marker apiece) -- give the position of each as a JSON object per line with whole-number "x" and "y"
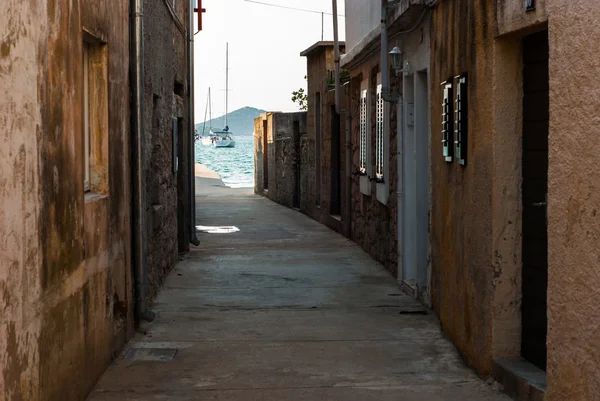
{"x": 285, "y": 309}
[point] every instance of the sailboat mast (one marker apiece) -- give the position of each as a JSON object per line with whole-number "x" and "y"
{"x": 209, "y": 110}
{"x": 205, "y": 110}
{"x": 226, "y": 81}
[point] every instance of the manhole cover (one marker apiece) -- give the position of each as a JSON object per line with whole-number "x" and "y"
{"x": 150, "y": 354}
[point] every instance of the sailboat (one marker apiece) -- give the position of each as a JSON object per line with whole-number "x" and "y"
{"x": 224, "y": 138}
{"x": 210, "y": 138}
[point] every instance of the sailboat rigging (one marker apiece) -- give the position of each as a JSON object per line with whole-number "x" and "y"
{"x": 224, "y": 138}
{"x": 208, "y": 140}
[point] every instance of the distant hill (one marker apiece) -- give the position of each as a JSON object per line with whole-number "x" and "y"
{"x": 241, "y": 121}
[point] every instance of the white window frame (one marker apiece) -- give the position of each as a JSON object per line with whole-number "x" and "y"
{"x": 382, "y": 187}
{"x": 380, "y": 116}
{"x": 86, "y": 117}
{"x": 363, "y": 132}
{"x": 365, "y": 162}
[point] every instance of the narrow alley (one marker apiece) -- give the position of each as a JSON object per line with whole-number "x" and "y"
{"x": 270, "y": 200}
{"x": 284, "y": 309}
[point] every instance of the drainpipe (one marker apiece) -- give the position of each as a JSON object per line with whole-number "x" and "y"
{"x": 139, "y": 242}
{"x": 348, "y": 119}
{"x": 336, "y": 50}
{"x": 388, "y": 97}
{"x": 191, "y": 161}
{"x": 400, "y": 185}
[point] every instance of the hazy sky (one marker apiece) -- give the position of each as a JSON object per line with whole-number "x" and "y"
{"x": 264, "y": 52}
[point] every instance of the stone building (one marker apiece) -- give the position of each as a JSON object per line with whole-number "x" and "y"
{"x": 167, "y": 142}
{"x": 326, "y": 134}
{"x": 391, "y": 177}
{"x": 472, "y": 175}
{"x": 281, "y": 158}
{"x": 300, "y": 157}
{"x": 66, "y": 284}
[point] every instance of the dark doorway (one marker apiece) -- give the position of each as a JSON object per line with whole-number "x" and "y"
{"x": 181, "y": 144}
{"x": 298, "y": 164}
{"x": 265, "y": 154}
{"x": 535, "y": 194}
{"x": 318, "y": 148}
{"x": 335, "y": 201}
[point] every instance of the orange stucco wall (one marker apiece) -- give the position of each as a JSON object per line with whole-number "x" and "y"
{"x": 462, "y": 33}
{"x": 574, "y": 202}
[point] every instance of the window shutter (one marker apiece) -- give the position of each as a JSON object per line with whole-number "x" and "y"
{"x": 363, "y": 132}
{"x": 461, "y": 119}
{"x": 379, "y": 132}
{"x": 447, "y": 131}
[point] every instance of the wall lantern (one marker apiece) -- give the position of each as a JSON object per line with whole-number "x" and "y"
{"x": 397, "y": 60}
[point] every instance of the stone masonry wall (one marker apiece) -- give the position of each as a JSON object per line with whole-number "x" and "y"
{"x": 374, "y": 224}
{"x": 165, "y": 96}
{"x": 287, "y": 144}
{"x": 288, "y": 130}
{"x": 323, "y": 143}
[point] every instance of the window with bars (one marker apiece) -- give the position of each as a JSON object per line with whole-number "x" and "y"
{"x": 379, "y": 136}
{"x": 461, "y": 120}
{"x": 447, "y": 121}
{"x": 363, "y": 132}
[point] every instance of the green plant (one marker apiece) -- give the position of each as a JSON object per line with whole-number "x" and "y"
{"x": 344, "y": 77}
{"x": 300, "y": 98}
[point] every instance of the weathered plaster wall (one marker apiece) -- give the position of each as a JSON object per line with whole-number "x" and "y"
{"x": 507, "y": 195}
{"x": 573, "y": 202}
{"x": 165, "y": 96}
{"x": 461, "y": 217}
{"x": 513, "y": 17}
{"x": 22, "y": 60}
{"x": 374, "y": 224}
{"x": 86, "y": 250}
{"x": 65, "y": 280}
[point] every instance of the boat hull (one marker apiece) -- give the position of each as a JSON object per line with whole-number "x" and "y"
{"x": 224, "y": 143}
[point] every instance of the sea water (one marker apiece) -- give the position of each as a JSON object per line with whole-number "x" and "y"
{"x": 234, "y": 165}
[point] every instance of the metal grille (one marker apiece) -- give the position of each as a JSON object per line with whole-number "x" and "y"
{"x": 460, "y": 119}
{"x": 363, "y": 132}
{"x": 447, "y": 132}
{"x": 379, "y": 140}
